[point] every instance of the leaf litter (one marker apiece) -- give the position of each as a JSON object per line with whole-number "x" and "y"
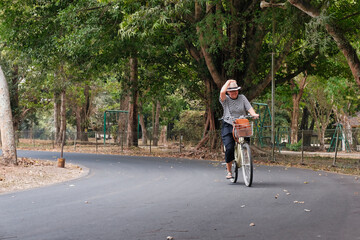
{"x": 32, "y": 173}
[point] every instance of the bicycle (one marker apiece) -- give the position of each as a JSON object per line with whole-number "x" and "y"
{"x": 242, "y": 128}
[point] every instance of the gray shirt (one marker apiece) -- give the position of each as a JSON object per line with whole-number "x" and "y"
{"x": 234, "y": 108}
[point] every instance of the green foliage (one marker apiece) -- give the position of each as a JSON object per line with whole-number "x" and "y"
{"x": 295, "y": 146}
{"x": 62, "y": 44}
{"x": 317, "y": 36}
{"x": 190, "y": 125}
{"x": 114, "y": 131}
{"x": 345, "y": 93}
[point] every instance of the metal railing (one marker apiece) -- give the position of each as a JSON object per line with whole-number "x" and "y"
{"x": 333, "y": 145}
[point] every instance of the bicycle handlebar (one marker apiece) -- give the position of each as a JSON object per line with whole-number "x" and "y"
{"x": 243, "y": 117}
{"x": 246, "y": 116}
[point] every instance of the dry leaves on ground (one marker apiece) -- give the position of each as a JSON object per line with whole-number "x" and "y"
{"x": 32, "y": 173}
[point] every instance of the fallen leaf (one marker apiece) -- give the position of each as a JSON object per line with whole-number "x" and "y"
{"x": 306, "y": 182}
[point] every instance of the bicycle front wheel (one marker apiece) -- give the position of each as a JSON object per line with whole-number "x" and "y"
{"x": 247, "y": 165}
{"x": 235, "y": 165}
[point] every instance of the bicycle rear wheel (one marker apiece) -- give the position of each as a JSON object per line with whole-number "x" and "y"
{"x": 247, "y": 165}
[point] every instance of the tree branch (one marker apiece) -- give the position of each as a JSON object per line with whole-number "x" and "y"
{"x": 338, "y": 36}
{"x": 350, "y": 16}
{"x": 256, "y": 92}
{"x": 301, "y": 69}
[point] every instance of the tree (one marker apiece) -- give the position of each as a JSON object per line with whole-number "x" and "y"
{"x": 320, "y": 105}
{"x": 231, "y": 39}
{"x": 9, "y": 156}
{"x": 346, "y": 98}
{"x": 132, "y": 139}
{"x": 344, "y": 20}
{"x": 298, "y": 91}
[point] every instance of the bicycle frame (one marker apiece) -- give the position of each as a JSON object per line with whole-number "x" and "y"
{"x": 242, "y": 152}
{"x": 239, "y": 146}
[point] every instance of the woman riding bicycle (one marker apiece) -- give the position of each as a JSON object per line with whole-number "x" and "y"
{"x": 234, "y": 106}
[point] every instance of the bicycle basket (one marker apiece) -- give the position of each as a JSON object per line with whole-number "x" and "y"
{"x": 242, "y": 128}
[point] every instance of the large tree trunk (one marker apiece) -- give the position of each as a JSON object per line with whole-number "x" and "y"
{"x": 132, "y": 139}
{"x": 9, "y": 156}
{"x": 14, "y": 97}
{"x": 84, "y": 115}
{"x": 144, "y": 137}
{"x": 62, "y": 117}
{"x": 296, "y": 97}
{"x": 123, "y": 118}
{"x": 57, "y": 105}
{"x": 304, "y": 126}
{"x": 339, "y": 37}
{"x": 210, "y": 136}
{"x": 156, "y": 126}
{"x": 78, "y": 122}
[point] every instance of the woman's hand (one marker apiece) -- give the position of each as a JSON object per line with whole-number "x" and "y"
{"x": 253, "y": 113}
{"x": 224, "y": 89}
{"x": 256, "y": 116}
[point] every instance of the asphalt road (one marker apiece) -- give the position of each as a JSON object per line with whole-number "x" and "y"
{"x": 149, "y": 198}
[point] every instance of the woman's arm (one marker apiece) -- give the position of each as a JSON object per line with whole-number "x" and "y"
{"x": 253, "y": 113}
{"x": 224, "y": 89}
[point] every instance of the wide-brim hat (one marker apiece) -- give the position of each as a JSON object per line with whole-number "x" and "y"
{"x": 233, "y": 87}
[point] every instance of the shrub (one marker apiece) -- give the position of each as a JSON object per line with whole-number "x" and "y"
{"x": 190, "y": 125}
{"x": 295, "y": 146}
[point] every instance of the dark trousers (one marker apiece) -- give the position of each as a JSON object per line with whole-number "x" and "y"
{"x": 228, "y": 141}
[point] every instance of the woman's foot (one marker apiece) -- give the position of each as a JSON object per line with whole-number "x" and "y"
{"x": 229, "y": 175}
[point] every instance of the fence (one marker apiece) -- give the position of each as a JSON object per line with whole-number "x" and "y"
{"x": 309, "y": 141}
{"x": 310, "y": 150}
{"x": 98, "y": 142}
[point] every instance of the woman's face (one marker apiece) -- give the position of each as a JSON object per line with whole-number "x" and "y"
{"x": 233, "y": 94}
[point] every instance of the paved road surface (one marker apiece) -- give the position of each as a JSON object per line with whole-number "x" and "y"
{"x": 148, "y": 198}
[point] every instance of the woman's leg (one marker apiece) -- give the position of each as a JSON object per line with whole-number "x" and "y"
{"x": 228, "y": 166}
{"x": 229, "y": 144}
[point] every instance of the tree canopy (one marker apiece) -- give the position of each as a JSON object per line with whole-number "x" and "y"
{"x": 185, "y": 51}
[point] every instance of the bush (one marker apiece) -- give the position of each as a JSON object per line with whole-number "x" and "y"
{"x": 190, "y": 125}
{"x": 295, "y": 146}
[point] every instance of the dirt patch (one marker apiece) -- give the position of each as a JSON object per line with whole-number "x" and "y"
{"x": 31, "y": 173}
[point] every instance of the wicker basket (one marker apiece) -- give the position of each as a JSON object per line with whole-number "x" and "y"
{"x": 243, "y": 128}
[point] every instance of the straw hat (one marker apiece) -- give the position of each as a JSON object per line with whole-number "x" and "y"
{"x": 233, "y": 87}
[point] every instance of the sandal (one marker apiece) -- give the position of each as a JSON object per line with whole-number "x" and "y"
{"x": 229, "y": 175}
